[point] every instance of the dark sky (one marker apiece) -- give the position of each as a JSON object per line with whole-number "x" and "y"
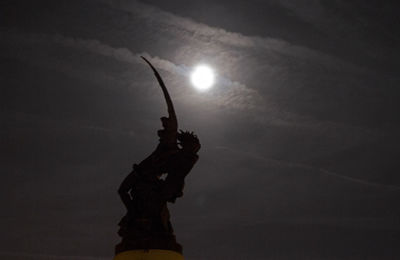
{"x": 300, "y": 134}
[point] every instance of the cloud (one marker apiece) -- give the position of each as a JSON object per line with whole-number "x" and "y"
{"x": 232, "y": 95}
{"x": 229, "y": 50}
{"x": 308, "y": 168}
{"x": 91, "y": 45}
{"x": 256, "y": 66}
{"x": 46, "y": 122}
{"x": 183, "y": 27}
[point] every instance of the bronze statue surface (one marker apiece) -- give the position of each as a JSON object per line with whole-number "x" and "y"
{"x": 145, "y": 195}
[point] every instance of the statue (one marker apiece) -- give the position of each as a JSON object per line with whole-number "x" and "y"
{"x": 146, "y": 229}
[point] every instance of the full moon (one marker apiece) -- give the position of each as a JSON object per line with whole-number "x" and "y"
{"x": 202, "y": 77}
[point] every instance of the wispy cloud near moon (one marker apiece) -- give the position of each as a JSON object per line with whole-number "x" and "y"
{"x": 233, "y": 94}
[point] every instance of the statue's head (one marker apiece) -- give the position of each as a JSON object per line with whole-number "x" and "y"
{"x": 188, "y": 141}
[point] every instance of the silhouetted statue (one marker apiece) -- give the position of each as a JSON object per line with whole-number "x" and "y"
{"x": 147, "y": 222}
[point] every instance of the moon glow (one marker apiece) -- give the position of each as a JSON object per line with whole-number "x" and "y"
{"x": 202, "y": 77}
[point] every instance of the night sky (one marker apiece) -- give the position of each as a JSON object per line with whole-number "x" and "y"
{"x": 300, "y": 133}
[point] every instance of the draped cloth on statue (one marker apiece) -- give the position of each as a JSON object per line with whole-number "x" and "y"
{"x": 152, "y": 254}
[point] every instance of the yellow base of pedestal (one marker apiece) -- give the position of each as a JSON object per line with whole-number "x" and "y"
{"x": 152, "y": 254}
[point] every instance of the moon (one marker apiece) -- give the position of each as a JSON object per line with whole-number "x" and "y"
{"x": 202, "y": 77}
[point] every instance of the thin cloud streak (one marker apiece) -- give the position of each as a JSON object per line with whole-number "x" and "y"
{"x": 68, "y": 123}
{"x": 282, "y": 163}
{"x": 186, "y": 27}
{"x": 232, "y": 95}
{"x": 235, "y": 94}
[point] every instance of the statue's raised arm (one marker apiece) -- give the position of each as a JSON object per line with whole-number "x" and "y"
{"x": 171, "y": 111}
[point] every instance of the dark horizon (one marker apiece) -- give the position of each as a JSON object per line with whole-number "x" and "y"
{"x": 300, "y": 132}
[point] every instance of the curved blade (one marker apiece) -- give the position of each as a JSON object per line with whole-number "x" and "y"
{"x": 171, "y": 110}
